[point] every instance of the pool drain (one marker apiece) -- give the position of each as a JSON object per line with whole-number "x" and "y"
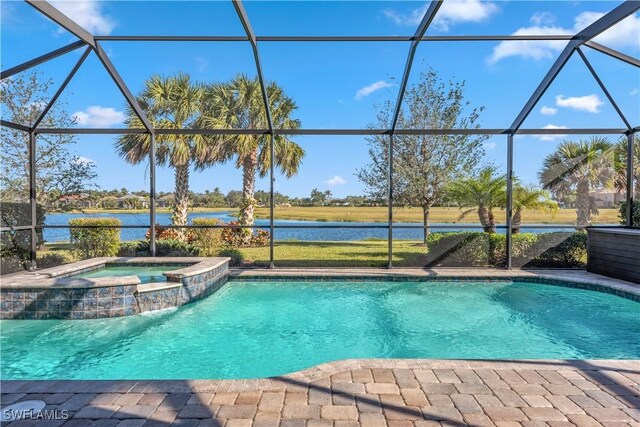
{"x": 22, "y": 410}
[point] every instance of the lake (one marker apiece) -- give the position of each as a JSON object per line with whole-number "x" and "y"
{"x": 320, "y": 234}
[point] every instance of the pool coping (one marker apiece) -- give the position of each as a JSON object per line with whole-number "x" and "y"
{"x": 571, "y": 278}
{"x": 309, "y": 375}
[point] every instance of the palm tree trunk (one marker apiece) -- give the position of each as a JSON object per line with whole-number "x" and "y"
{"x": 486, "y": 219}
{"x": 582, "y": 204}
{"x": 516, "y": 221}
{"x": 425, "y": 222}
{"x": 181, "y": 198}
{"x": 492, "y": 222}
{"x": 249, "y": 164}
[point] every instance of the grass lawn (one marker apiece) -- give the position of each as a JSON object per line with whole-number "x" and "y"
{"x": 368, "y": 253}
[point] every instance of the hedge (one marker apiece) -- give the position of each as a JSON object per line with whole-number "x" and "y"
{"x": 209, "y": 240}
{"x": 537, "y": 250}
{"x": 95, "y": 242}
{"x": 164, "y": 247}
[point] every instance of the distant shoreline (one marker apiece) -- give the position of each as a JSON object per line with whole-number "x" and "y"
{"x": 448, "y": 215}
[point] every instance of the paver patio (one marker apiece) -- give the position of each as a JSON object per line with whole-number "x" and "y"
{"x": 369, "y": 392}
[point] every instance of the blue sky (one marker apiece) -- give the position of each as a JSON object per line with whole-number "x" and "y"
{"x": 336, "y": 85}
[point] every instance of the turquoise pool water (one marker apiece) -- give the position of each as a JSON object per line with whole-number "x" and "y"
{"x": 257, "y": 329}
{"x": 147, "y": 274}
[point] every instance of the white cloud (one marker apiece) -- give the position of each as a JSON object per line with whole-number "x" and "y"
{"x": 490, "y": 145}
{"x": 536, "y": 50}
{"x": 88, "y": 14}
{"x": 97, "y": 116}
{"x": 543, "y": 18}
{"x": 551, "y": 137}
{"x": 624, "y": 34}
{"x": 590, "y": 103}
{"x": 634, "y": 92}
{"x": 336, "y": 180}
{"x": 451, "y": 12}
{"x": 548, "y": 111}
{"x": 368, "y": 90}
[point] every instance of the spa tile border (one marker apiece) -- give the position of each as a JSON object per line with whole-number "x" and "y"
{"x": 73, "y": 298}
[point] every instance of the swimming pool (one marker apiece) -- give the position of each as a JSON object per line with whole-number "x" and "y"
{"x": 254, "y": 329}
{"x": 146, "y": 274}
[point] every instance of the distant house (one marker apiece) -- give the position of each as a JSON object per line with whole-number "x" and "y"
{"x": 73, "y": 201}
{"x": 165, "y": 201}
{"x": 131, "y": 201}
{"x": 606, "y": 198}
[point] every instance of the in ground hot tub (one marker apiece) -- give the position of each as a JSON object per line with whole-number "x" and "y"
{"x": 110, "y": 287}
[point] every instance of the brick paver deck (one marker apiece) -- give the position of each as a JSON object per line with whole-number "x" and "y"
{"x": 378, "y": 392}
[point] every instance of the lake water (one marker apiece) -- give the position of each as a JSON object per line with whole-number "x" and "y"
{"x": 327, "y": 234}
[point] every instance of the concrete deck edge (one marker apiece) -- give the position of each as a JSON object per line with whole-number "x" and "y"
{"x": 309, "y": 375}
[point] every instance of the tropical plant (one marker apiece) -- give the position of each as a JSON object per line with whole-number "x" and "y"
{"x": 423, "y": 165}
{"x": 239, "y": 105}
{"x": 529, "y": 198}
{"x": 620, "y": 164}
{"x": 170, "y": 103}
{"x": 579, "y": 166}
{"x": 483, "y": 193}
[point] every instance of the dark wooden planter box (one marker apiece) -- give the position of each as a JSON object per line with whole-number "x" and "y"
{"x": 614, "y": 252}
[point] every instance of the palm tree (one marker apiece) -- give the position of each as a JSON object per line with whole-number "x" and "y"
{"x": 239, "y": 105}
{"x": 529, "y": 197}
{"x": 170, "y": 103}
{"x": 579, "y": 166}
{"x": 620, "y": 164}
{"x": 482, "y": 193}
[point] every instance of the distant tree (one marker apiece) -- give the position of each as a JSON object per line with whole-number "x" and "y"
{"x": 580, "y": 166}
{"x": 482, "y": 192}
{"x": 320, "y": 198}
{"x": 424, "y": 164}
{"x": 233, "y": 199}
{"x": 59, "y": 172}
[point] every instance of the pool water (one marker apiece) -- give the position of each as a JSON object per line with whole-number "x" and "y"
{"x": 257, "y": 329}
{"x": 147, "y": 274}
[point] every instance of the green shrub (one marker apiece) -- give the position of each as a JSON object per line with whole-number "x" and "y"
{"x": 164, "y": 247}
{"x": 95, "y": 242}
{"x": 208, "y": 240}
{"x": 237, "y": 258}
{"x": 177, "y": 248}
{"x": 542, "y": 250}
{"x": 134, "y": 249}
{"x": 635, "y": 215}
{"x": 50, "y": 259}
